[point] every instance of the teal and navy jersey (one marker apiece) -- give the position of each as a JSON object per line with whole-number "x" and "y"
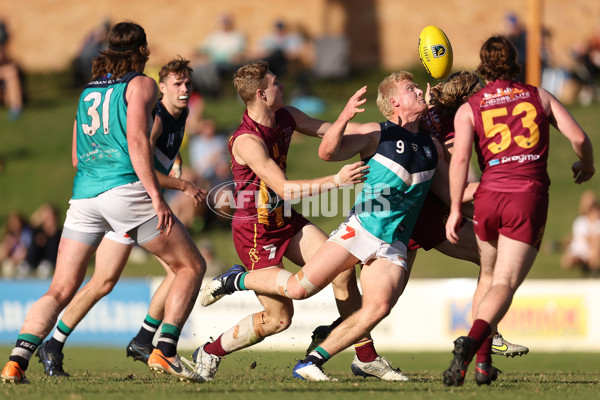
{"x": 169, "y": 142}
{"x": 102, "y": 152}
{"x": 400, "y": 173}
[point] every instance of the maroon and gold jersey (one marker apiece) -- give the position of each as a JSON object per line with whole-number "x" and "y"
{"x": 511, "y": 137}
{"x": 438, "y": 125}
{"x": 255, "y": 202}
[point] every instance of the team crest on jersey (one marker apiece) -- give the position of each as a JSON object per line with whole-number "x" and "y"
{"x": 414, "y": 146}
{"x": 254, "y": 257}
{"x": 427, "y": 151}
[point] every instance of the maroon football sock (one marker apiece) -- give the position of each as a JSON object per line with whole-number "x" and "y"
{"x": 484, "y": 354}
{"x": 215, "y": 348}
{"x": 479, "y": 332}
{"x": 365, "y": 350}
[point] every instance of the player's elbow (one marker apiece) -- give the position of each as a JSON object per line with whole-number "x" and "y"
{"x": 326, "y": 154}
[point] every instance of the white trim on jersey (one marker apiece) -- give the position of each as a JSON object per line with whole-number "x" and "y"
{"x": 402, "y": 173}
{"x": 163, "y": 159}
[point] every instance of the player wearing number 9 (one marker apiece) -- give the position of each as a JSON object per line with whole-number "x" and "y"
{"x": 509, "y": 122}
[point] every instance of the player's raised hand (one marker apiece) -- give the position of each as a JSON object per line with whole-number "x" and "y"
{"x": 354, "y": 104}
{"x": 351, "y": 174}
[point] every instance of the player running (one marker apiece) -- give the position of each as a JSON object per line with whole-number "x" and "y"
{"x": 509, "y": 123}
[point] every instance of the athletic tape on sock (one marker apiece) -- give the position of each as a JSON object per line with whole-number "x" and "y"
{"x": 245, "y": 333}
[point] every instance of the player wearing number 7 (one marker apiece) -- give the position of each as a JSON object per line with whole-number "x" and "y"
{"x": 509, "y": 122}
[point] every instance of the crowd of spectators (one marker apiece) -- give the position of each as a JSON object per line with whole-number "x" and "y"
{"x": 29, "y": 246}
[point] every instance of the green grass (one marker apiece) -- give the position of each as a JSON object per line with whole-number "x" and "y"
{"x": 101, "y": 374}
{"x": 37, "y": 166}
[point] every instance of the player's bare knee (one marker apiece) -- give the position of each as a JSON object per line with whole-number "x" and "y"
{"x": 107, "y": 287}
{"x": 273, "y": 323}
{"x": 377, "y": 310}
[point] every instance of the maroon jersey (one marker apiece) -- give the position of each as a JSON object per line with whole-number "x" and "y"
{"x": 438, "y": 125}
{"x": 511, "y": 137}
{"x": 255, "y": 201}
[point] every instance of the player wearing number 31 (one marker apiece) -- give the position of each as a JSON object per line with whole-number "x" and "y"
{"x": 116, "y": 189}
{"x": 510, "y": 125}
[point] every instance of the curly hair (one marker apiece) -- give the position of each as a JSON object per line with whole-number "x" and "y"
{"x": 178, "y": 66}
{"x": 387, "y": 88}
{"x": 249, "y": 78}
{"x": 449, "y": 95}
{"x": 498, "y": 59}
{"x": 127, "y": 51}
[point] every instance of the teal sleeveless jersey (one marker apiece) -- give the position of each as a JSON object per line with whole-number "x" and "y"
{"x": 103, "y": 160}
{"x": 400, "y": 174}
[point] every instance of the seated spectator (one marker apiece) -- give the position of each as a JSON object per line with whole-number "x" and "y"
{"x": 11, "y": 86}
{"x": 208, "y": 150}
{"x": 94, "y": 42}
{"x": 14, "y": 242}
{"x": 281, "y": 47}
{"x": 218, "y": 57}
{"x": 583, "y": 251}
{"x": 209, "y": 166}
{"x": 43, "y": 250}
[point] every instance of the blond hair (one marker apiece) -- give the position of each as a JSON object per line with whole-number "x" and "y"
{"x": 387, "y": 88}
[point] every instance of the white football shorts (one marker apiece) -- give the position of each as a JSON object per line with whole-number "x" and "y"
{"x": 121, "y": 209}
{"x": 352, "y": 236}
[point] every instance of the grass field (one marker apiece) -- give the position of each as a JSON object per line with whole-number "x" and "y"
{"x": 106, "y": 374}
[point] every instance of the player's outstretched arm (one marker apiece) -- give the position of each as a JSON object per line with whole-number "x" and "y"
{"x": 341, "y": 143}
{"x": 251, "y": 151}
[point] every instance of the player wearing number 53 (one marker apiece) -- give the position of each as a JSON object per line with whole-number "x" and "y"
{"x": 116, "y": 189}
{"x": 509, "y": 122}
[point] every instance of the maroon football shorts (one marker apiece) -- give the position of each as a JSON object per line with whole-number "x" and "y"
{"x": 259, "y": 246}
{"x": 517, "y": 215}
{"x": 430, "y": 229}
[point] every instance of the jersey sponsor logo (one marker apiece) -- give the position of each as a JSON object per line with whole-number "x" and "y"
{"x": 351, "y": 233}
{"x": 521, "y": 158}
{"x": 503, "y": 96}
